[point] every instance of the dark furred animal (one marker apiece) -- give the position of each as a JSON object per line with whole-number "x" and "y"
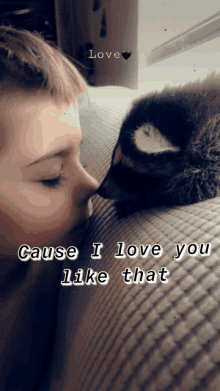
{"x": 168, "y": 150}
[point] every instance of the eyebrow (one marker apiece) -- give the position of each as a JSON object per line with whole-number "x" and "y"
{"x": 60, "y": 153}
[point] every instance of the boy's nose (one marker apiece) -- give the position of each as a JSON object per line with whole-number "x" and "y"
{"x": 90, "y": 185}
{"x": 87, "y": 185}
{"x": 93, "y": 183}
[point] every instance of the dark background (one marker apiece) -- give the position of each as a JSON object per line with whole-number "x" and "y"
{"x": 38, "y": 15}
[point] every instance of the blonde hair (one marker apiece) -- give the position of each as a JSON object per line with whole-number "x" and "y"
{"x": 28, "y": 61}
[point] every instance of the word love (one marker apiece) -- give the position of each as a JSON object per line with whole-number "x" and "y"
{"x": 125, "y": 54}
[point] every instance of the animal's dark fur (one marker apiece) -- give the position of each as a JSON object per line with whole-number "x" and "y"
{"x": 189, "y": 118}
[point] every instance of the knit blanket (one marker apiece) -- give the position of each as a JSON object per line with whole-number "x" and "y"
{"x": 149, "y": 317}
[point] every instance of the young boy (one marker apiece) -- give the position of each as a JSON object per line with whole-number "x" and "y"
{"x": 44, "y": 193}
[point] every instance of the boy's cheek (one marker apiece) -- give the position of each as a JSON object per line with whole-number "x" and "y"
{"x": 27, "y": 202}
{"x": 39, "y": 205}
{"x": 27, "y": 215}
{"x": 13, "y": 234}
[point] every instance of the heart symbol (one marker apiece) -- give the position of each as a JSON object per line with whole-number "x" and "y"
{"x": 126, "y": 54}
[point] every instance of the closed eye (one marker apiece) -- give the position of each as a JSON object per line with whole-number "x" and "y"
{"x": 54, "y": 182}
{"x": 57, "y": 182}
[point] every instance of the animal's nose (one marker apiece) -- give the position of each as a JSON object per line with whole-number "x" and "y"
{"x": 109, "y": 188}
{"x": 102, "y": 191}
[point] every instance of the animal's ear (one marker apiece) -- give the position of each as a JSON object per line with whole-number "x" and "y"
{"x": 150, "y": 140}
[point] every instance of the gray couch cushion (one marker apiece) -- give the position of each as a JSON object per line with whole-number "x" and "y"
{"x": 143, "y": 336}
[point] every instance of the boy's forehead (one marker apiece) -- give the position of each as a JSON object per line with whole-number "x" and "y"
{"x": 35, "y": 125}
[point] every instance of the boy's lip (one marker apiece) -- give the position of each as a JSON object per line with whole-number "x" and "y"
{"x": 83, "y": 225}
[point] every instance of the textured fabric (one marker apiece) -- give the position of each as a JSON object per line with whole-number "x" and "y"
{"x": 139, "y": 336}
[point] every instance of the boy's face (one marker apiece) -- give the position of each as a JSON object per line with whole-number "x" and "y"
{"x": 44, "y": 190}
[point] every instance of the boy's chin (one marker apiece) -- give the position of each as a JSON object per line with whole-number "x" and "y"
{"x": 76, "y": 235}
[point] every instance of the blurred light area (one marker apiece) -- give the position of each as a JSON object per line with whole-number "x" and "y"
{"x": 22, "y": 12}
{"x": 162, "y": 21}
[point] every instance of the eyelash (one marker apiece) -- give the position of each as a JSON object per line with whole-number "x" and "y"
{"x": 53, "y": 183}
